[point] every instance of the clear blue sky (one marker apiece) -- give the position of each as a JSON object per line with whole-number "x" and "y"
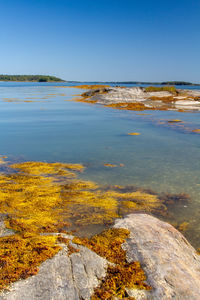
{"x": 101, "y": 39}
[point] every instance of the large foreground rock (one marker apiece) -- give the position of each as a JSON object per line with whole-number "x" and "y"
{"x": 170, "y": 262}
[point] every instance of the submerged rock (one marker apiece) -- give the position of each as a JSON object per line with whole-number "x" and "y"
{"x": 171, "y": 264}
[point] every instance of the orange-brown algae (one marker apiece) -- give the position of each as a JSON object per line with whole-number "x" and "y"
{"x": 122, "y": 274}
{"x": 110, "y": 165}
{"x": 137, "y": 106}
{"x": 165, "y": 99}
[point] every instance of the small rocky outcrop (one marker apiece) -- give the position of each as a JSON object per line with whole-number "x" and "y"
{"x": 159, "y": 100}
{"x": 171, "y": 264}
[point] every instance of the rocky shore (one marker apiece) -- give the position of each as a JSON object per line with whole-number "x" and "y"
{"x": 139, "y": 98}
{"x": 171, "y": 265}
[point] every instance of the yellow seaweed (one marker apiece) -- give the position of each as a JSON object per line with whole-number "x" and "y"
{"x": 41, "y": 168}
{"x": 133, "y": 133}
{"x": 110, "y": 165}
{"x": 20, "y": 256}
{"x": 175, "y": 121}
{"x": 46, "y": 197}
{"x": 170, "y": 89}
{"x": 196, "y": 131}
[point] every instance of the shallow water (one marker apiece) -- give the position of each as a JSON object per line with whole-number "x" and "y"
{"x": 49, "y": 126}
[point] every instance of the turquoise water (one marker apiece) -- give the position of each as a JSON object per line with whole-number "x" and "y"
{"x": 164, "y": 157}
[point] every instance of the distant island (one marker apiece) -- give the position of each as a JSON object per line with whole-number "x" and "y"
{"x": 140, "y": 82}
{"x": 30, "y": 78}
{"x": 178, "y": 83}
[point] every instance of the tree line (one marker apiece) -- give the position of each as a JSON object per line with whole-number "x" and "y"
{"x": 34, "y": 78}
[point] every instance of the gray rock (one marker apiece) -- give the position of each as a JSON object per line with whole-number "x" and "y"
{"x": 3, "y": 230}
{"x": 63, "y": 277}
{"x": 171, "y": 264}
{"x": 139, "y": 294}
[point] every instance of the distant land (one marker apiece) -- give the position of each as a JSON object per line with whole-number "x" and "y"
{"x": 48, "y": 78}
{"x": 140, "y": 82}
{"x": 30, "y": 78}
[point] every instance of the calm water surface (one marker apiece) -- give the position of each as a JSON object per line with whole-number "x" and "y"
{"x": 41, "y": 122}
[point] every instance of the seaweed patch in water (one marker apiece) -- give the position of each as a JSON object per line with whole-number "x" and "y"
{"x": 183, "y": 226}
{"x": 133, "y": 133}
{"x": 196, "y": 131}
{"x": 41, "y": 168}
{"x": 175, "y": 121}
{"x": 39, "y": 197}
{"x": 110, "y": 165}
{"x": 175, "y": 198}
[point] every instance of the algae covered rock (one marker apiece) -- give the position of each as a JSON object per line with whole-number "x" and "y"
{"x": 171, "y": 264}
{"x": 63, "y": 277}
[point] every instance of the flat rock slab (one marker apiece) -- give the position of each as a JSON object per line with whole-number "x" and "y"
{"x": 171, "y": 264}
